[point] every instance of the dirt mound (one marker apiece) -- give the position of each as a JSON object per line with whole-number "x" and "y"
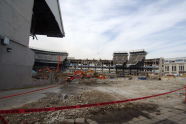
{"x": 54, "y": 99}
{"x": 123, "y": 112}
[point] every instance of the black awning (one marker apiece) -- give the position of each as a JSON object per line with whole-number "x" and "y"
{"x": 44, "y": 20}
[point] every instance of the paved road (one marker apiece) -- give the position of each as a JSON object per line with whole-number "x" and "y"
{"x": 18, "y": 101}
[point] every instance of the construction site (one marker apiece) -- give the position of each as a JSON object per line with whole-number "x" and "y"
{"x": 39, "y": 86}
{"x": 99, "y": 84}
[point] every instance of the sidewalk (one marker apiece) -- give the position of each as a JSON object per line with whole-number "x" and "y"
{"x": 18, "y": 101}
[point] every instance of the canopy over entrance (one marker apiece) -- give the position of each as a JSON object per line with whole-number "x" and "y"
{"x": 46, "y": 18}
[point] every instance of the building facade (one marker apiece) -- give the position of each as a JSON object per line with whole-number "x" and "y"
{"x": 120, "y": 58}
{"x": 51, "y": 59}
{"x": 18, "y": 20}
{"x": 176, "y": 66}
{"x": 154, "y": 65}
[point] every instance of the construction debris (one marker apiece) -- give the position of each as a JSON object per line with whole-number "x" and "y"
{"x": 93, "y": 90}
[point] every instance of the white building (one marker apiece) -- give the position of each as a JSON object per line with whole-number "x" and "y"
{"x": 175, "y": 66}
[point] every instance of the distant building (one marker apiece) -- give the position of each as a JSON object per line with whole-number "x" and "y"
{"x": 136, "y": 59}
{"x": 154, "y": 65}
{"x": 120, "y": 58}
{"x": 49, "y": 59}
{"x": 175, "y": 65}
{"x": 131, "y": 63}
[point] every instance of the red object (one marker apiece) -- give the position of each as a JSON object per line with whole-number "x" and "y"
{"x": 3, "y": 120}
{"x": 101, "y": 77}
{"x": 72, "y": 78}
{"x": 18, "y": 111}
{"x": 78, "y": 72}
{"x": 23, "y": 93}
{"x": 88, "y": 76}
{"x": 185, "y": 94}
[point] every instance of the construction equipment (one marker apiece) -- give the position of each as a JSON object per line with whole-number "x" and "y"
{"x": 80, "y": 74}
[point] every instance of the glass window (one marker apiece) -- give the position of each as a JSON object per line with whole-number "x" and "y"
{"x": 181, "y": 68}
{"x": 166, "y": 68}
{"x": 179, "y": 60}
{"x": 173, "y": 68}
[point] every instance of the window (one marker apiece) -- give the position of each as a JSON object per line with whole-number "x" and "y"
{"x": 166, "y": 68}
{"x": 181, "y": 68}
{"x": 179, "y": 60}
{"x": 173, "y": 68}
{"x": 166, "y": 61}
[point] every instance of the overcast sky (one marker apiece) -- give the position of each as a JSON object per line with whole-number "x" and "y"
{"x": 97, "y": 28}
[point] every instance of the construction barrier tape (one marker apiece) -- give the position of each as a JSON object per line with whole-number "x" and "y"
{"x": 19, "y": 111}
{"x": 28, "y": 92}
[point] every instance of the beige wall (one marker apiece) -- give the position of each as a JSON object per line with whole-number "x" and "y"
{"x": 170, "y": 67}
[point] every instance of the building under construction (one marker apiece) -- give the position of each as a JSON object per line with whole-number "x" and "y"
{"x": 120, "y": 59}
{"x": 123, "y": 63}
{"x": 131, "y": 63}
{"x": 155, "y": 66}
{"x": 49, "y": 59}
{"x": 91, "y": 64}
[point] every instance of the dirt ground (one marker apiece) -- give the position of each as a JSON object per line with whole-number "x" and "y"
{"x": 94, "y": 91}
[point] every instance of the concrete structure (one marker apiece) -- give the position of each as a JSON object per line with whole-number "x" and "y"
{"x": 136, "y": 58}
{"x": 49, "y": 59}
{"x": 120, "y": 58}
{"x": 175, "y": 66}
{"x": 134, "y": 65}
{"x": 154, "y": 65}
{"x": 90, "y": 64}
{"x": 18, "y": 20}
